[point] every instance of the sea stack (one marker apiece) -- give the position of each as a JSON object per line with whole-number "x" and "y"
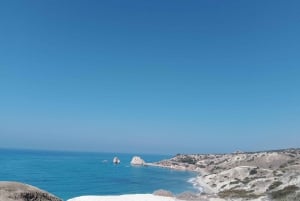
{"x": 116, "y": 160}
{"x": 136, "y": 160}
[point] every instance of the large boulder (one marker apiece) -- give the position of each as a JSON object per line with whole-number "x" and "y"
{"x": 136, "y": 160}
{"x": 163, "y": 193}
{"x": 14, "y": 191}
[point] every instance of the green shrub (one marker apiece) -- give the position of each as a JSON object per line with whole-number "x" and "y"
{"x": 246, "y": 180}
{"x": 274, "y": 185}
{"x": 253, "y": 171}
{"x": 235, "y": 193}
{"x": 234, "y": 182}
{"x": 284, "y": 192}
{"x": 187, "y": 159}
{"x": 283, "y": 165}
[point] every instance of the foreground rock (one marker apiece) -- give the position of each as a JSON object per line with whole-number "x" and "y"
{"x": 268, "y": 175}
{"x": 14, "y": 191}
{"x": 136, "y": 160}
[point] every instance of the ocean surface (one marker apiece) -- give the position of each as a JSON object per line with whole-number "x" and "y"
{"x": 71, "y": 174}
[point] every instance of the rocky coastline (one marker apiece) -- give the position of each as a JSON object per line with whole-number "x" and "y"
{"x": 267, "y": 175}
{"x": 239, "y": 176}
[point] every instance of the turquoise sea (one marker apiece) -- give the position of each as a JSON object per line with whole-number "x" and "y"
{"x": 71, "y": 174}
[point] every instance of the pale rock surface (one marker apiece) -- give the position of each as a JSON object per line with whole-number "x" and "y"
{"x": 136, "y": 160}
{"x": 254, "y": 175}
{"x": 116, "y": 160}
{"x": 164, "y": 193}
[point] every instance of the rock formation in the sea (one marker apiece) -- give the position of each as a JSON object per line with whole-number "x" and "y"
{"x": 136, "y": 160}
{"x": 116, "y": 160}
{"x": 267, "y": 175}
{"x": 14, "y": 191}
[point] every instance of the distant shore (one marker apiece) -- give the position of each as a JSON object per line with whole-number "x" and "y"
{"x": 239, "y": 176}
{"x": 256, "y": 176}
{"x": 244, "y": 175}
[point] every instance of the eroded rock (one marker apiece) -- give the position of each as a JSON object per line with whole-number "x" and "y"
{"x": 136, "y": 160}
{"x": 14, "y": 191}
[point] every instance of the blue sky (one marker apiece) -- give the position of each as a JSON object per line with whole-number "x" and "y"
{"x": 150, "y": 76}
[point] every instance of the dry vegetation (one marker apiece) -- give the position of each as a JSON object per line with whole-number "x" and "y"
{"x": 274, "y": 175}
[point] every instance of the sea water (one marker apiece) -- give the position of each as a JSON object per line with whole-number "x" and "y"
{"x": 71, "y": 174}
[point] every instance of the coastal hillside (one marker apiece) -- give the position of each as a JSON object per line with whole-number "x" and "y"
{"x": 266, "y": 175}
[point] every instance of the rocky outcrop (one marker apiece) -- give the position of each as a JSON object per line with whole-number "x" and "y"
{"x": 116, "y": 160}
{"x": 136, "y": 160}
{"x": 14, "y": 191}
{"x": 244, "y": 175}
{"x": 163, "y": 193}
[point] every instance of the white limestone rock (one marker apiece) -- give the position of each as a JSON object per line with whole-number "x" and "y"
{"x": 136, "y": 160}
{"x": 116, "y": 160}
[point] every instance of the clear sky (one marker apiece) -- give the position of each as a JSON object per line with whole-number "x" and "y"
{"x": 159, "y": 76}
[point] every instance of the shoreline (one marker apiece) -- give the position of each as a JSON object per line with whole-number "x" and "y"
{"x": 243, "y": 175}
{"x": 257, "y": 176}
{"x": 195, "y": 181}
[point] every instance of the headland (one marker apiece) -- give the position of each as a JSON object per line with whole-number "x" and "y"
{"x": 257, "y": 176}
{"x": 266, "y": 175}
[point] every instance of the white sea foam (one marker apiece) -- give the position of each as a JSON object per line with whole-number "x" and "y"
{"x": 196, "y": 185}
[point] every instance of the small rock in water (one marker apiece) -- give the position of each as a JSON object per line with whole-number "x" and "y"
{"x": 116, "y": 160}
{"x": 136, "y": 160}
